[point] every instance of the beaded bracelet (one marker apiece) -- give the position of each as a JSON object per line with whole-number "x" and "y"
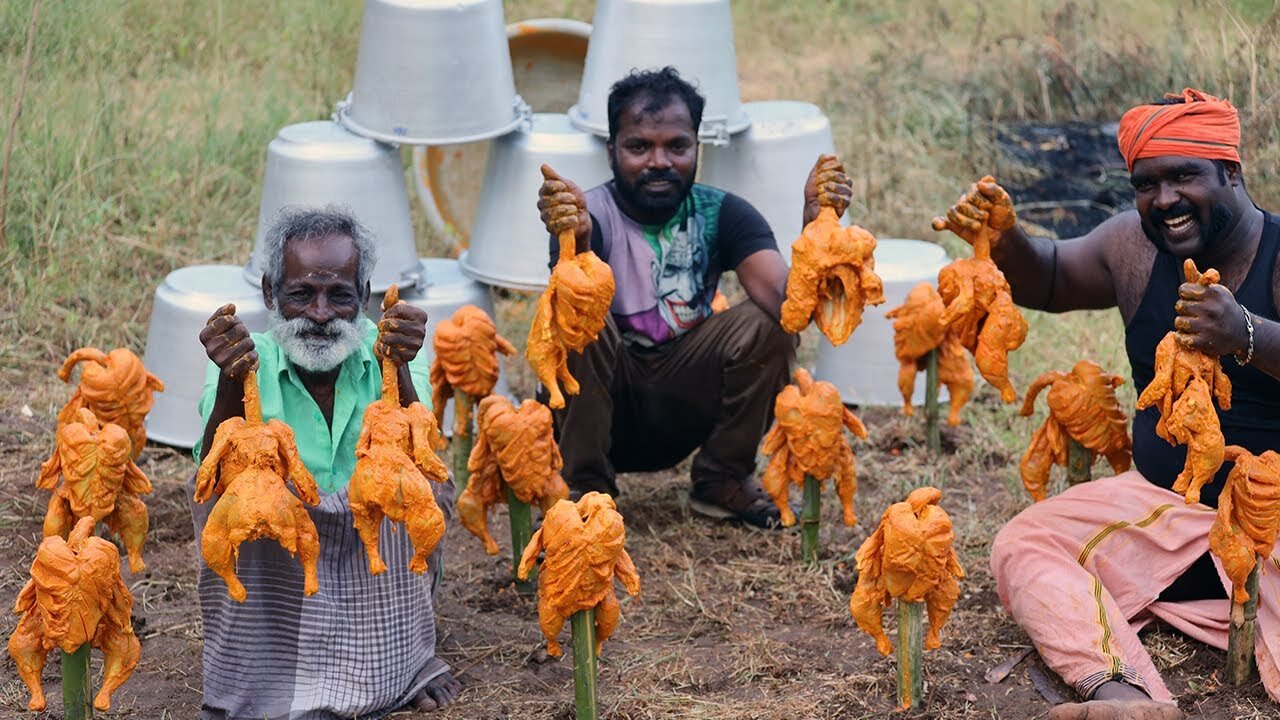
{"x": 1248, "y": 323}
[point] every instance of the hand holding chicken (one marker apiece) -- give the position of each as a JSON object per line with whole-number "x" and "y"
{"x": 467, "y": 347}
{"x": 116, "y": 387}
{"x": 918, "y": 330}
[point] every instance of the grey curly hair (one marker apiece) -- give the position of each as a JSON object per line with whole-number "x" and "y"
{"x": 294, "y": 222}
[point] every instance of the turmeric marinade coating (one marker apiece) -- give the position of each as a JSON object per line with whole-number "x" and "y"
{"x": 516, "y": 449}
{"x": 395, "y": 458}
{"x": 1248, "y": 518}
{"x": 909, "y": 557}
{"x": 466, "y": 347}
{"x": 75, "y": 596}
{"x": 570, "y": 313}
{"x": 807, "y": 438}
{"x": 247, "y": 467}
{"x": 116, "y": 387}
{"x": 1186, "y": 384}
{"x": 584, "y": 546}
{"x": 1083, "y": 407}
{"x": 918, "y": 330}
{"x": 833, "y": 271}
{"x": 99, "y": 481}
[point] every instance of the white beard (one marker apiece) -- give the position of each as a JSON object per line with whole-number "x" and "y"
{"x": 312, "y": 346}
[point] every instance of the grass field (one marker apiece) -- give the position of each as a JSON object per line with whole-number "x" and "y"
{"x": 140, "y": 148}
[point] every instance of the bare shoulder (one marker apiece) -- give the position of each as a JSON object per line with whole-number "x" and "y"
{"x": 1126, "y": 252}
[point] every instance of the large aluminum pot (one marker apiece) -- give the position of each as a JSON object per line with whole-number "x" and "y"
{"x": 864, "y": 369}
{"x": 432, "y": 72}
{"x": 321, "y": 163}
{"x": 694, "y": 36}
{"x": 509, "y": 244}
{"x": 769, "y": 163}
{"x": 183, "y": 304}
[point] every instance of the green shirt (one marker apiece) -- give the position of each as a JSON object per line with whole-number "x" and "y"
{"x": 330, "y": 454}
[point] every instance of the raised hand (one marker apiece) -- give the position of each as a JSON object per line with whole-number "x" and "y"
{"x": 401, "y": 332}
{"x": 826, "y": 186}
{"x": 562, "y": 206}
{"x": 1208, "y": 317}
{"x": 984, "y": 210}
{"x": 227, "y": 343}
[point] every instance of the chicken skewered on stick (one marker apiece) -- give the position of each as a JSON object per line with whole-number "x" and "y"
{"x": 116, "y": 387}
{"x": 918, "y": 330}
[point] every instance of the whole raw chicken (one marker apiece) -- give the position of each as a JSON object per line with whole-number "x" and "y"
{"x": 909, "y": 557}
{"x": 807, "y": 438}
{"x": 247, "y": 467}
{"x": 99, "y": 481}
{"x": 395, "y": 457}
{"x": 516, "y": 449}
{"x": 1248, "y": 519}
{"x": 833, "y": 272}
{"x": 75, "y": 596}
{"x": 570, "y": 313}
{"x": 918, "y": 330}
{"x": 1082, "y": 406}
{"x": 116, "y": 387}
{"x": 585, "y": 550}
{"x": 1185, "y": 385}
{"x": 467, "y": 347}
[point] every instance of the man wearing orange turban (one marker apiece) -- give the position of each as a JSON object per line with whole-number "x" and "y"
{"x": 1082, "y": 571}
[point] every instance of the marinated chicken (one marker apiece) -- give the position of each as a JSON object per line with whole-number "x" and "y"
{"x": 570, "y": 313}
{"x": 807, "y": 438}
{"x": 918, "y": 330}
{"x": 395, "y": 459}
{"x": 909, "y": 557}
{"x": 467, "y": 347}
{"x": 247, "y": 467}
{"x": 99, "y": 481}
{"x": 1083, "y": 407}
{"x": 982, "y": 317}
{"x": 116, "y": 387}
{"x": 75, "y": 596}
{"x": 585, "y": 549}
{"x": 1248, "y": 519}
{"x": 516, "y": 449}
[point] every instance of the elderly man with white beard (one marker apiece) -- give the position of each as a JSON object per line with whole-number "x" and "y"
{"x": 361, "y": 646}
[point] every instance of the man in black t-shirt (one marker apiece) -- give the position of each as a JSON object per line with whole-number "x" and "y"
{"x": 667, "y": 375}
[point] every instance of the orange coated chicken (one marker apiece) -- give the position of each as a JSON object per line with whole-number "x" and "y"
{"x": 908, "y": 557}
{"x": 1185, "y": 386}
{"x": 516, "y": 449}
{"x": 467, "y": 347}
{"x": 395, "y": 458}
{"x": 75, "y": 596}
{"x": 1248, "y": 518}
{"x": 918, "y": 330}
{"x": 99, "y": 481}
{"x": 570, "y": 313}
{"x": 1083, "y": 407}
{"x": 981, "y": 315}
{"x": 807, "y": 438}
{"x": 247, "y": 467}
{"x": 585, "y": 549}
{"x": 116, "y": 387}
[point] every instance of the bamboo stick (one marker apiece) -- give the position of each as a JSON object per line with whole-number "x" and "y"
{"x": 1079, "y": 463}
{"x": 521, "y": 533}
{"x": 77, "y": 684}
{"x": 1240, "y": 636}
{"x": 463, "y": 439}
{"x": 583, "y": 625}
{"x": 933, "y": 428}
{"x": 810, "y": 517}
{"x": 910, "y": 648}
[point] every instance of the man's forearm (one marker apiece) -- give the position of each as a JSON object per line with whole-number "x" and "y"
{"x": 408, "y": 393}
{"x": 1030, "y": 265}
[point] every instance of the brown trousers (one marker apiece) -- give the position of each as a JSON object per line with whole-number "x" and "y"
{"x": 644, "y": 409}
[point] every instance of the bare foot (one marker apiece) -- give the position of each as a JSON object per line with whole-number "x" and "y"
{"x": 1117, "y": 701}
{"x": 439, "y": 692}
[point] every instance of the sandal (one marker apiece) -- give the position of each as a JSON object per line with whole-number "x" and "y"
{"x": 745, "y": 502}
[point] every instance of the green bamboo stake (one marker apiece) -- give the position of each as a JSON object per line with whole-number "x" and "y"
{"x": 910, "y": 648}
{"x": 933, "y": 428}
{"x": 1079, "y": 463}
{"x": 77, "y": 685}
{"x": 810, "y": 516}
{"x": 462, "y": 439}
{"x": 1240, "y": 637}
{"x": 583, "y": 625}
{"x": 521, "y": 533}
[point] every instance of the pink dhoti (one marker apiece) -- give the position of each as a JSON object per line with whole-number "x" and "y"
{"x": 1080, "y": 573}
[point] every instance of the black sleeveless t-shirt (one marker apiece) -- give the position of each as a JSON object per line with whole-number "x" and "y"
{"x": 1253, "y": 421}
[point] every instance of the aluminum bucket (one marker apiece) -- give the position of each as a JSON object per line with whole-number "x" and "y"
{"x": 864, "y": 369}
{"x": 183, "y": 304}
{"x": 319, "y": 163}
{"x": 694, "y": 36}
{"x": 769, "y": 163}
{"x": 547, "y": 56}
{"x": 509, "y": 246}
{"x": 432, "y": 72}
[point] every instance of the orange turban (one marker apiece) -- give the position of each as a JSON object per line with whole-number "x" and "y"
{"x": 1201, "y": 126}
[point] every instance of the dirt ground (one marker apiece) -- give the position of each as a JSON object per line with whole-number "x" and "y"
{"x": 728, "y": 624}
